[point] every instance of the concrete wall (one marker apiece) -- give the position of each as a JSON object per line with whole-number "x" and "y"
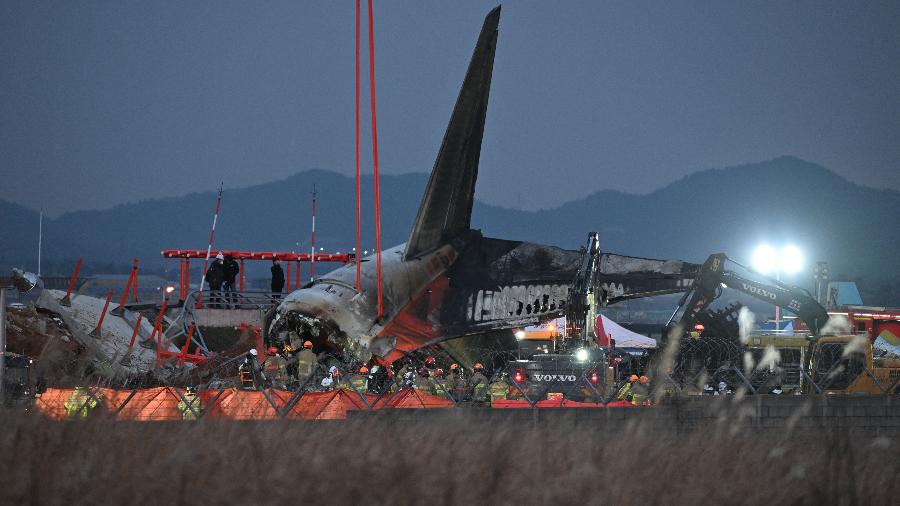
{"x": 870, "y": 415}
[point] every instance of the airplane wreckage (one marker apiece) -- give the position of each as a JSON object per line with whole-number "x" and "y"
{"x": 448, "y": 283}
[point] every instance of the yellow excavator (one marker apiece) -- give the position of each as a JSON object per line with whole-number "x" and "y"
{"x": 836, "y": 364}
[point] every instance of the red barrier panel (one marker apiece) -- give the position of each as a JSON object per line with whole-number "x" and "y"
{"x": 332, "y": 405}
{"x": 415, "y": 398}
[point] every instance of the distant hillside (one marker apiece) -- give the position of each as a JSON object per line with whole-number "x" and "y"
{"x": 853, "y": 227}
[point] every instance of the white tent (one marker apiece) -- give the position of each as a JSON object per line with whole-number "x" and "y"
{"x": 624, "y": 337}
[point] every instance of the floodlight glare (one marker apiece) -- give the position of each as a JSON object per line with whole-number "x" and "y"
{"x": 790, "y": 260}
{"x": 764, "y": 259}
{"x": 520, "y": 334}
{"x": 581, "y": 355}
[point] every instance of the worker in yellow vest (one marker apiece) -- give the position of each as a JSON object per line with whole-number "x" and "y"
{"x": 625, "y": 392}
{"x": 438, "y": 387}
{"x": 499, "y": 389}
{"x": 80, "y": 404}
{"x": 478, "y": 384}
{"x": 306, "y": 363}
{"x": 640, "y": 392}
{"x": 359, "y": 381}
{"x": 275, "y": 368}
{"x": 191, "y": 409}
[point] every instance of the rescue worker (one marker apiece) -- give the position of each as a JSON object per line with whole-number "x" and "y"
{"x": 499, "y": 389}
{"x": 457, "y": 382}
{"x": 215, "y": 276}
{"x": 438, "y": 387}
{"x": 333, "y": 379}
{"x": 80, "y": 404}
{"x": 378, "y": 379}
{"x": 427, "y": 383}
{"x": 275, "y": 368}
{"x": 408, "y": 375}
{"x": 249, "y": 369}
{"x": 306, "y": 362}
{"x": 230, "y": 270}
{"x": 640, "y": 391}
{"x": 277, "y": 278}
{"x": 625, "y": 392}
{"x": 193, "y": 400}
{"x": 359, "y": 381}
{"x": 478, "y": 384}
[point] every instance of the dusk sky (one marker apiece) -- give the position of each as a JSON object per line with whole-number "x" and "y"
{"x": 109, "y": 102}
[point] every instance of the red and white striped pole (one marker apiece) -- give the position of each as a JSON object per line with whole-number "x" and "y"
{"x": 312, "y": 256}
{"x": 212, "y": 235}
{"x": 375, "y": 159}
{"x": 358, "y": 245}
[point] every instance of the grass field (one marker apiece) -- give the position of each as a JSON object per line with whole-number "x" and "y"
{"x": 451, "y": 460}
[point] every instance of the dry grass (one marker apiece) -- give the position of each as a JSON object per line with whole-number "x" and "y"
{"x": 451, "y": 460}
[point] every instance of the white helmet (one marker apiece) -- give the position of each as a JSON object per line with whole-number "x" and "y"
{"x": 332, "y": 369}
{"x": 220, "y": 256}
{"x": 254, "y": 352}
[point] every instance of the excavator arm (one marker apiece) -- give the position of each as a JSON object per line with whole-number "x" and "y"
{"x": 714, "y": 275}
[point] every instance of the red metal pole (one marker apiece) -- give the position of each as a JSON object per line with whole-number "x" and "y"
{"x": 135, "y": 285}
{"x": 212, "y": 235}
{"x": 242, "y": 274}
{"x": 375, "y": 159}
{"x": 312, "y": 256}
{"x": 156, "y": 324}
{"x": 181, "y": 286}
{"x": 96, "y": 331}
{"x": 288, "y": 276}
{"x": 358, "y": 250}
{"x": 120, "y": 309}
{"x": 187, "y": 343}
{"x": 66, "y": 301}
{"x": 298, "y": 275}
{"x": 137, "y": 326}
{"x": 158, "y": 331}
{"x": 187, "y": 276}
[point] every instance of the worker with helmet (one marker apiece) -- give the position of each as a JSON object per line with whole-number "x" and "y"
{"x": 190, "y": 405}
{"x": 80, "y": 404}
{"x": 275, "y": 368}
{"x": 438, "y": 386}
{"x": 499, "y": 388}
{"x": 332, "y": 380}
{"x": 306, "y": 362}
{"x": 456, "y": 382}
{"x": 625, "y": 392}
{"x": 359, "y": 381}
{"x": 640, "y": 391}
{"x": 249, "y": 369}
{"x": 478, "y": 383}
{"x": 407, "y": 375}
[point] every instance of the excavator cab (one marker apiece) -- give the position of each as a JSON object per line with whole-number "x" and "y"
{"x": 19, "y": 388}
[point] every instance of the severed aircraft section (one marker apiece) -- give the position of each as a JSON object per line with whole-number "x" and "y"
{"x": 448, "y": 281}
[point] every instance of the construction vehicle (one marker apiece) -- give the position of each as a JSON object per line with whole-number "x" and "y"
{"x": 713, "y": 276}
{"x": 19, "y": 385}
{"x": 837, "y": 364}
{"x": 570, "y": 362}
{"x": 847, "y": 364}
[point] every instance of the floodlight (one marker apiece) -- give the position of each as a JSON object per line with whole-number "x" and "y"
{"x": 765, "y": 259}
{"x": 790, "y": 260}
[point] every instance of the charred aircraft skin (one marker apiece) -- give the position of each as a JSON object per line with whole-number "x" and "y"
{"x": 448, "y": 280}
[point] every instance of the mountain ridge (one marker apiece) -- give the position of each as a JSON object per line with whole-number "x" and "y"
{"x": 731, "y": 209}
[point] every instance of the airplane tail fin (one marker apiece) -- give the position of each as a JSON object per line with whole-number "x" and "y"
{"x": 446, "y": 207}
